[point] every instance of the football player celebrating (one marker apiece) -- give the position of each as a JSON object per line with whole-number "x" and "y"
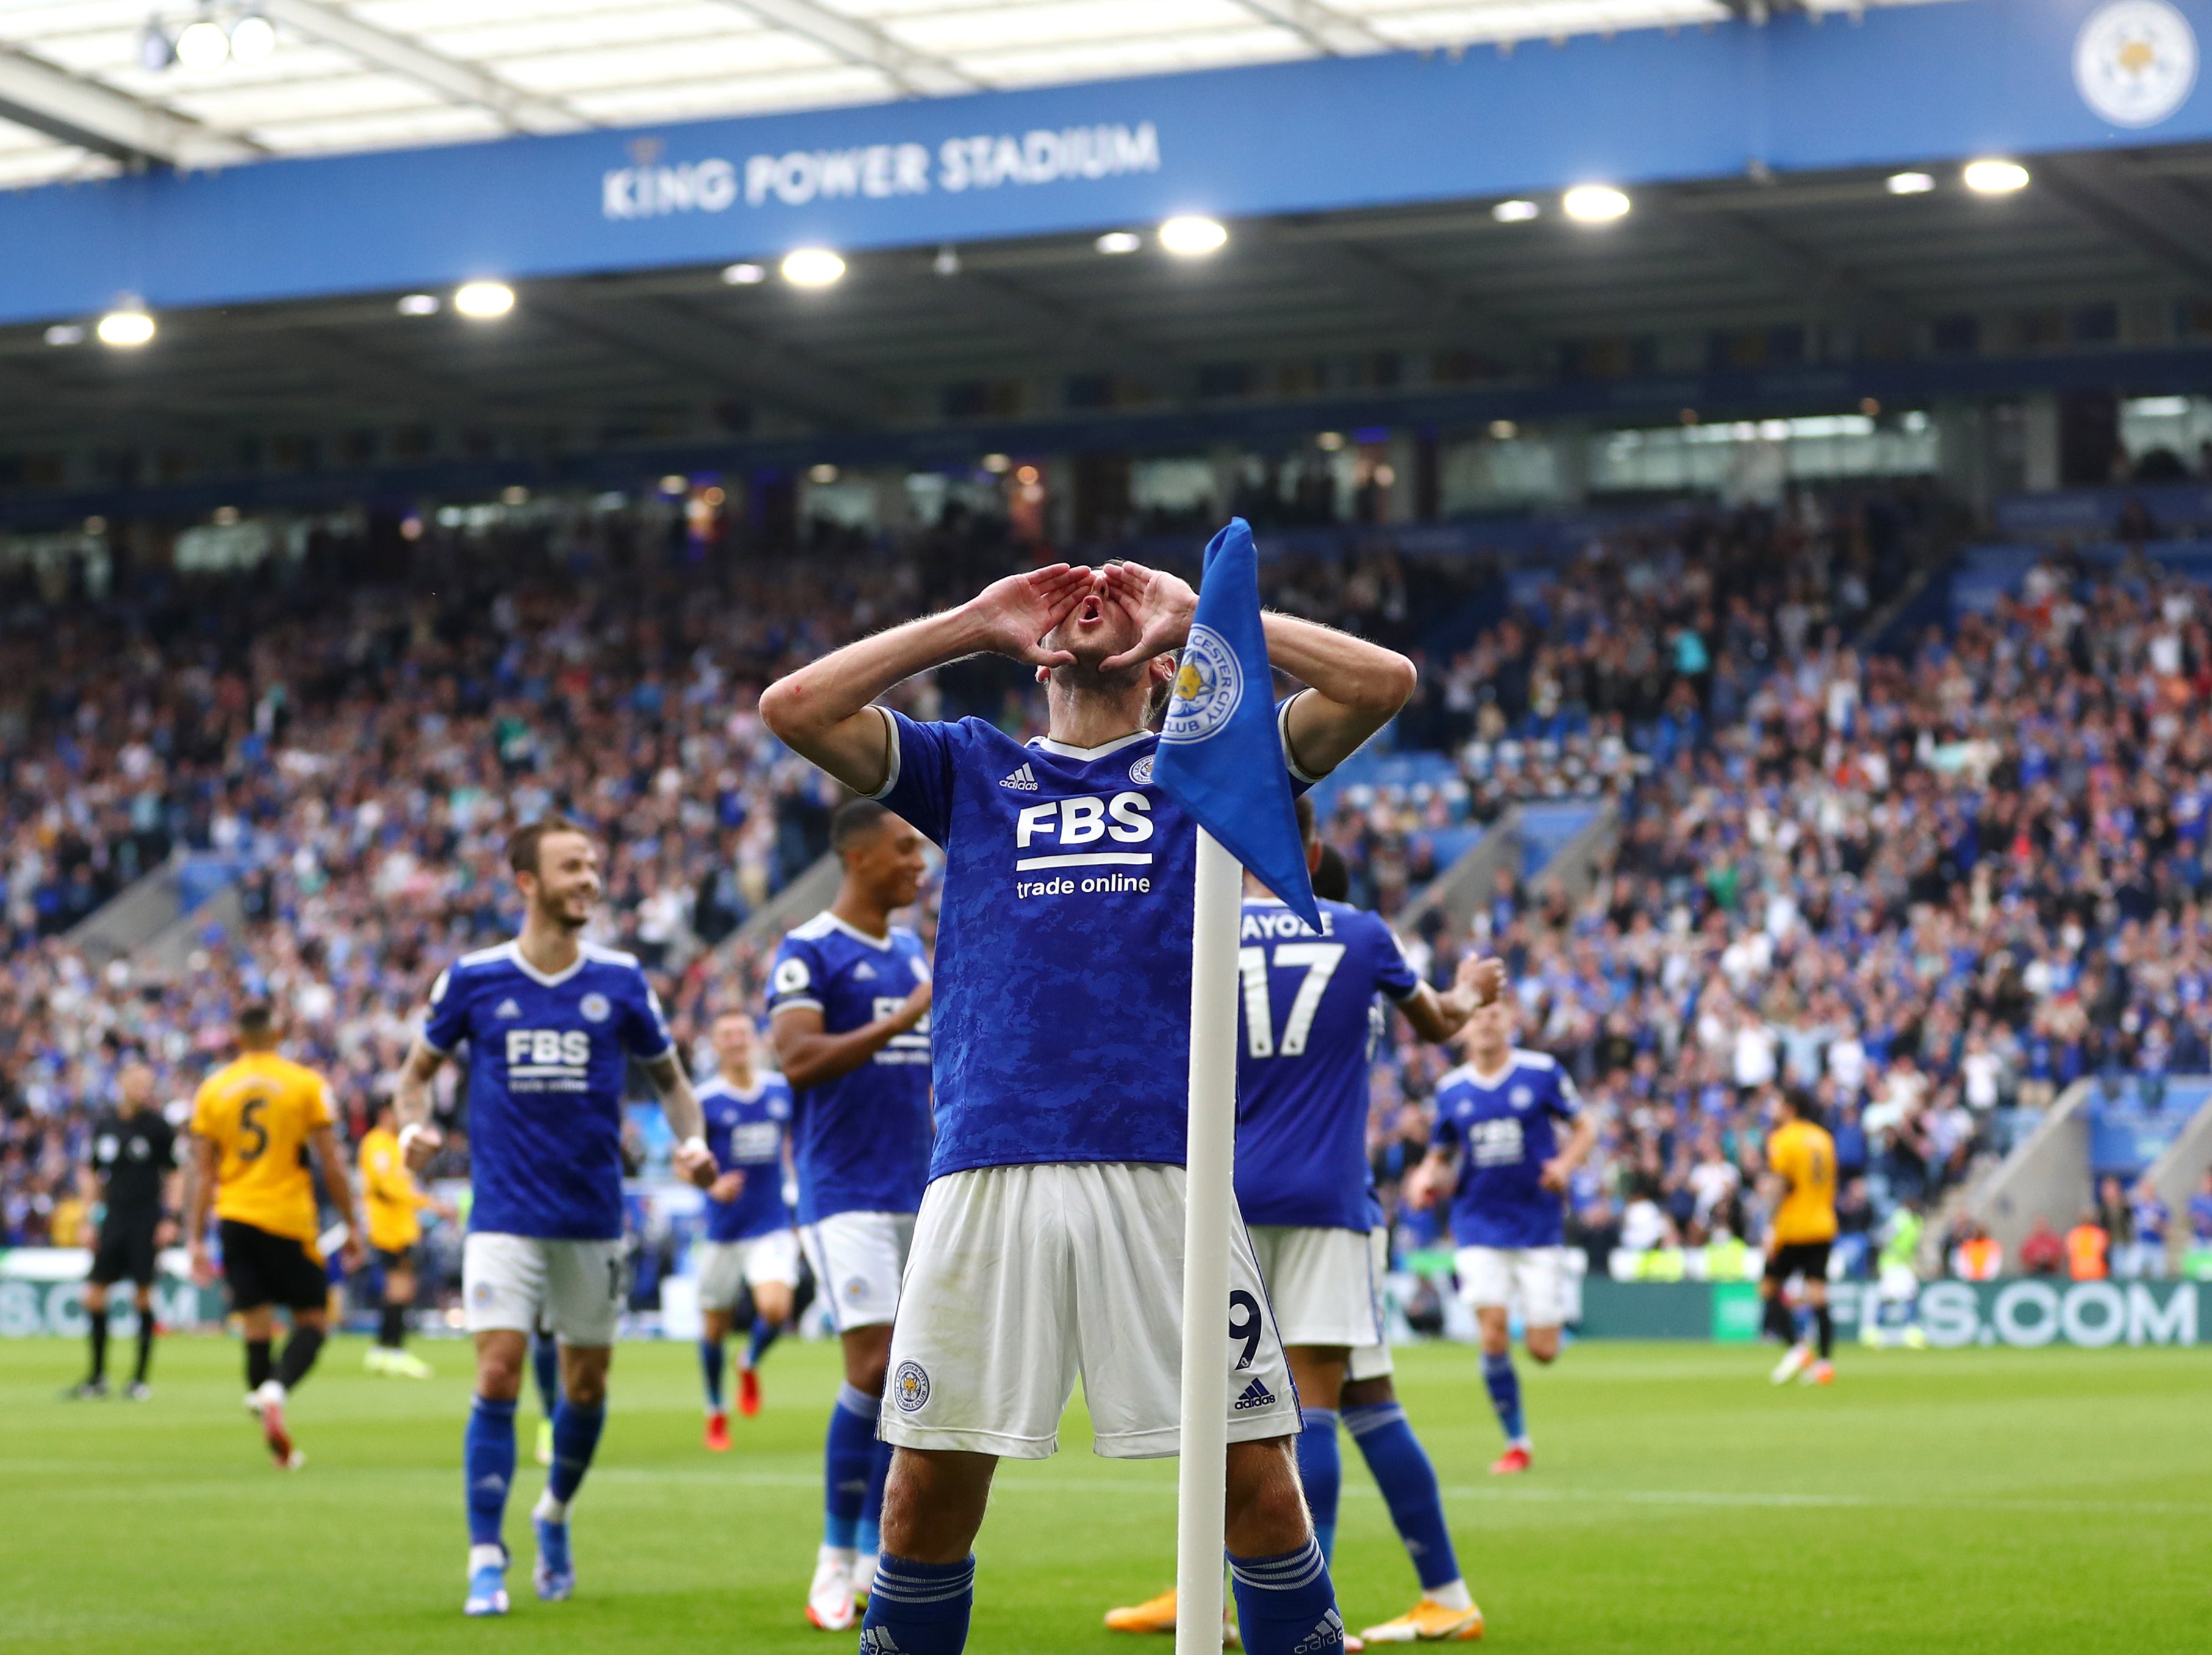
{"x": 848, "y": 1003}
{"x": 552, "y": 1023}
{"x": 1049, "y": 1243}
{"x": 1500, "y": 1112}
{"x": 750, "y": 1246}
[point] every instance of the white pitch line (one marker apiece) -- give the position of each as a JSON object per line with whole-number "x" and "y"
{"x": 1724, "y": 1498}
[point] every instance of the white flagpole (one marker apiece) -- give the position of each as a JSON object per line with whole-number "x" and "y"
{"x": 1204, "y": 1471}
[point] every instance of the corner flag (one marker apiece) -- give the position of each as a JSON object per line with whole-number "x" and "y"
{"x": 1220, "y": 756}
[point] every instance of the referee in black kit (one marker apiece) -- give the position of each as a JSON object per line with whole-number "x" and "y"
{"x": 133, "y": 1154}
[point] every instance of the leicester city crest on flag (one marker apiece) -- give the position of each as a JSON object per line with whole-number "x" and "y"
{"x": 1220, "y": 754}
{"x": 1208, "y": 684}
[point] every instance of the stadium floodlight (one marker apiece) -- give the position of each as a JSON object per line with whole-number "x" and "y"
{"x": 824, "y": 472}
{"x": 1594, "y": 203}
{"x": 1994, "y": 177}
{"x": 997, "y": 464}
{"x": 1516, "y": 211}
{"x": 812, "y": 267}
{"x": 947, "y": 262}
{"x": 674, "y": 483}
{"x": 65, "y": 333}
{"x": 1911, "y": 184}
{"x": 744, "y": 276}
{"x": 483, "y": 301}
{"x": 202, "y": 45}
{"x": 1188, "y": 236}
{"x": 252, "y": 38}
{"x": 419, "y": 304}
{"x": 1504, "y": 430}
{"x": 126, "y": 328}
{"x": 1117, "y": 242}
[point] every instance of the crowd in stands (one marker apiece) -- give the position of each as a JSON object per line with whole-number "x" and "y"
{"x": 1933, "y": 884}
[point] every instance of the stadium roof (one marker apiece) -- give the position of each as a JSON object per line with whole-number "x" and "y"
{"x": 84, "y": 92}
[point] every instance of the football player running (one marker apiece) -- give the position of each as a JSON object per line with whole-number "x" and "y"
{"x": 1307, "y": 1041}
{"x": 551, "y": 1022}
{"x": 1499, "y": 1112}
{"x": 1050, "y": 1242}
{"x": 750, "y": 1250}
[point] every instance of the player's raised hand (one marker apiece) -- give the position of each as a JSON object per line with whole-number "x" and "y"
{"x": 1485, "y": 979}
{"x": 1019, "y": 610}
{"x": 1161, "y": 604}
{"x": 695, "y": 1164}
{"x": 418, "y": 1143}
{"x": 727, "y": 1187}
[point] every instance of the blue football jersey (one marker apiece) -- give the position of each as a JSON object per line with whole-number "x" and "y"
{"x": 861, "y": 1141}
{"x": 1305, "y": 1041}
{"x": 1505, "y": 1127}
{"x": 746, "y": 1131}
{"x": 547, "y": 1058}
{"x": 1063, "y": 944}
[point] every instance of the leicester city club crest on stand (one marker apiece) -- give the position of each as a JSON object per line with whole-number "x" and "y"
{"x": 2135, "y": 62}
{"x": 1208, "y": 684}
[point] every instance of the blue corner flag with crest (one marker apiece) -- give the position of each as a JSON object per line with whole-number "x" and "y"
{"x": 1220, "y": 756}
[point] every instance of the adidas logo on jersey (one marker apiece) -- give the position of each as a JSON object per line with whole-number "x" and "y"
{"x": 507, "y": 1008}
{"x": 1021, "y": 780}
{"x": 876, "y": 1640}
{"x": 865, "y": 970}
{"x": 1327, "y": 1633}
{"x": 1255, "y": 1395}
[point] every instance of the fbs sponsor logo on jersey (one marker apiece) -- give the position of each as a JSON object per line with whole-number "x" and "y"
{"x": 1256, "y": 1395}
{"x": 548, "y": 1060}
{"x": 1022, "y": 780}
{"x": 1086, "y": 831}
{"x": 910, "y": 1386}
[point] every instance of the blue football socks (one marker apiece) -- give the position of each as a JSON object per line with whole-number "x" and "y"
{"x": 1321, "y": 1468}
{"x": 487, "y": 1461}
{"x": 848, "y": 1464}
{"x": 1505, "y": 1397}
{"x": 1407, "y": 1480}
{"x": 919, "y": 1608}
{"x": 764, "y": 1333}
{"x": 869, "y": 1536}
{"x": 710, "y": 1371}
{"x": 1285, "y": 1605}
{"x": 545, "y": 1364}
{"x": 575, "y": 1439}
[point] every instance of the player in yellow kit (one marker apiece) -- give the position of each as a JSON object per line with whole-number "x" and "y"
{"x": 1801, "y": 1159}
{"x": 395, "y": 1227}
{"x": 255, "y": 1122}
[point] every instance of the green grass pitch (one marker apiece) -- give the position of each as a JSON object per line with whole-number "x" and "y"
{"x": 1953, "y": 1501}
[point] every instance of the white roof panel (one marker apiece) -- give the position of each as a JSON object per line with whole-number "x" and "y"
{"x": 374, "y": 74}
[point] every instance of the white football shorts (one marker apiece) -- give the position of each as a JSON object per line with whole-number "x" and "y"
{"x": 1373, "y": 1361}
{"x": 1024, "y": 1277}
{"x": 517, "y": 1283}
{"x": 858, "y": 1259}
{"x": 725, "y": 1267}
{"x": 1321, "y": 1282}
{"x": 1498, "y": 1276}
